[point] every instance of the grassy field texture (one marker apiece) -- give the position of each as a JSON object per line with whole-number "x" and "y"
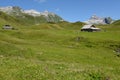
{"x": 58, "y": 53}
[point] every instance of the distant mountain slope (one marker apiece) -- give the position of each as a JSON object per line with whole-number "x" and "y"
{"x": 99, "y": 20}
{"x": 31, "y": 16}
{"x": 19, "y": 22}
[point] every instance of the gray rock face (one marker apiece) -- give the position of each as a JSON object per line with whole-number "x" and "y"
{"x": 99, "y": 20}
{"x": 17, "y": 11}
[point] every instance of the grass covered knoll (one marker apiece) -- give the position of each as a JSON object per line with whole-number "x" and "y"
{"x": 58, "y": 51}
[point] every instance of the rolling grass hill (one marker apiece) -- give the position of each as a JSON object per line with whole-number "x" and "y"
{"x": 58, "y": 51}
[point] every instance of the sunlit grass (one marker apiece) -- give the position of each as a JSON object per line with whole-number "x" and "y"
{"x": 29, "y": 54}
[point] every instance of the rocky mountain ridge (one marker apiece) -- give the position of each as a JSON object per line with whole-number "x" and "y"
{"x": 18, "y": 12}
{"x": 99, "y": 20}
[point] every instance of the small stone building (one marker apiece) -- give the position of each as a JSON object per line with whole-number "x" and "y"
{"x": 7, "y": 27}
{"x": 90, "y": 28}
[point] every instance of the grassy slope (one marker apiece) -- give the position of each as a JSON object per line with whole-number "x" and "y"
{"x": 55, "y": 52}
{"x": 5, "y": 19}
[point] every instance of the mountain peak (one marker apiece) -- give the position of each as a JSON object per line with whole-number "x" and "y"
{"x": 99, "y": 20}
{"x": 18, "y": 12}
{"x": 32, "y": 12}
{"x": 10, "y": 8}
{"x": 95, "y": 17}
{"x": 6, "y": 9}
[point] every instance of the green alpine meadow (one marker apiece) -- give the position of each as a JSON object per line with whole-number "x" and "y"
{"x": 40, "y": 48}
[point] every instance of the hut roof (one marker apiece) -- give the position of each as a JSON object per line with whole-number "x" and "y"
{"x": 89, "y": 27}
